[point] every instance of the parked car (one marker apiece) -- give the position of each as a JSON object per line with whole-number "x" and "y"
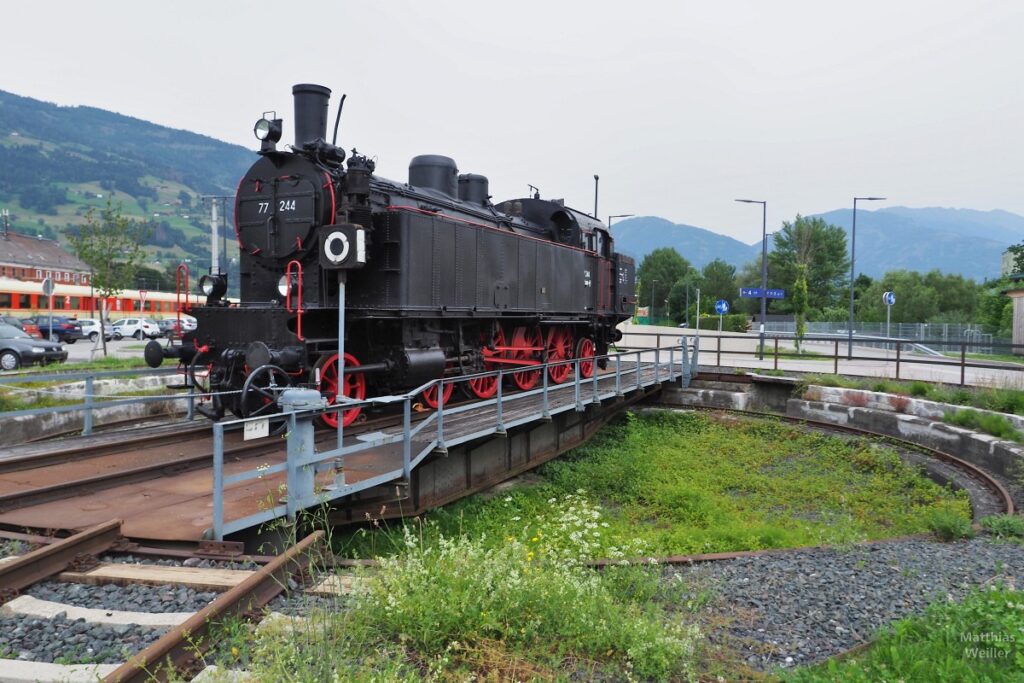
{"x": 27, "y": 327}
{"x": 170, "y": 327}
{"x": 136, "y": 327}
{"x": 66, "y": 330}
{"x": 17, "y": 349}
{"x": 188, "y": 323}
{"x": 31, "y": 328}
{"x": 91, "y": 329}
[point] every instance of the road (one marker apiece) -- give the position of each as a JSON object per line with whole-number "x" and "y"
{"x": 83, "y": 350}
{"x": 737, "y": 350}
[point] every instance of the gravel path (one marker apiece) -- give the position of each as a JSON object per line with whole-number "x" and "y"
{"x": 70, "y": 642}
{"x": 800, "y": 607}
{"x": 131, "y": 598}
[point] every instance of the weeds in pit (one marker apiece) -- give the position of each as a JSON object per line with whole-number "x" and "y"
{"x": 1004, "y": 526}
{"x": 949, "y": 525}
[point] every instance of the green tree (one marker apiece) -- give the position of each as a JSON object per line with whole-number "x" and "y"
{"x": 800, "y": 302}
{"x": 819, "y": 246}
{"x": 657, "y": 273}
{"x": 111, "y": 245}
{"x": 1018, "y": 257}
{"x": 681, "y": 303}
{"x": 718, "y": 281}
{"x": 930, "y": 297}
{"x": 750, "y": 276}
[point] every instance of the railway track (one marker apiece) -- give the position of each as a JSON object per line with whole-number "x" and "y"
{"x": 42, "y": 474}
{"x": 243, "y": 592}
{"x": 161, "y": 644}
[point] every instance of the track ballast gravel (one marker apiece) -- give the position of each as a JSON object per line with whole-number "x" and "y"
{"x": 71, "y": 641}
{"x": 799, "y": 607}
{"x": 130, "y": 598}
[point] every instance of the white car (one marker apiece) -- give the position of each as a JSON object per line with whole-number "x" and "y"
{"x": 91, "y": 329}
{"x": 188, "y": 323}
{"x": 136, "y": 327}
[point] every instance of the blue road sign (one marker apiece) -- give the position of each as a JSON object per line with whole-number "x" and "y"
{"x": 888, "y": 298}
{"x": 721, "y": 307}
{"x": 757, "y": 293}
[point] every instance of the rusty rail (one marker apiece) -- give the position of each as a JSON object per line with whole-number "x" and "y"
{"x": 49, "y": 560}
{"x": 179, "y": 647}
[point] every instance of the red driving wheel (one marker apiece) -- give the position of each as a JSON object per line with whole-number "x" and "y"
{"x": 527, "y": 344}
{"x": 353, "y": 386}
{"x": 430, "y": 395}
{"x": 487, "y": 387}
{"x": 559, "y": 348}
{"x": 584, "y": 350}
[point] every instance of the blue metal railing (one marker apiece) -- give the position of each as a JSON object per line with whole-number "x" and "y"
{"x": 303, "y": 462}
{"x": 89, "y": 403}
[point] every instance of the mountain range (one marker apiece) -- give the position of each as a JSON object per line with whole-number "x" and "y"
{"x": 58, "y": 162}
{"x": 962, "y": 241}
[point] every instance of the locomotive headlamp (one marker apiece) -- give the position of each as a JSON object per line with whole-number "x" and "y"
{"x": 213, "y": 286}
{"x": 268, "y": 129}
{"x": 282, "y": 284}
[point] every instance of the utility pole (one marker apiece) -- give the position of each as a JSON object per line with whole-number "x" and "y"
{"x": 217, "y": 220}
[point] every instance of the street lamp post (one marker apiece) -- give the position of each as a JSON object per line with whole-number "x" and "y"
{"x": 764, "y": 263}
{"x": 853, "y": 252}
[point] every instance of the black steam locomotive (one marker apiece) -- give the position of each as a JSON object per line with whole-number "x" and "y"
{"x": 438, "y": 280}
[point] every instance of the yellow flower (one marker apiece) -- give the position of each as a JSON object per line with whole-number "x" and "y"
{"x": 534, "y": 539}
{"x": 234, "y": 651}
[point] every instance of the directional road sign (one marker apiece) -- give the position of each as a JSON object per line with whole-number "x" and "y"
{"x": 888, "y": 298}
{"x": 756, "y": 293}
{"x": 721, "y": 307}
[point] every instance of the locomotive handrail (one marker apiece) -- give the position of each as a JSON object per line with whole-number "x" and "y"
{"x": 304, "y": 461}
{"x": 288, "y": 295}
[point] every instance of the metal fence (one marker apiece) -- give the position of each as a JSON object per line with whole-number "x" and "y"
{"x": 91, "y": 400}
{"x": 942, "y": 337}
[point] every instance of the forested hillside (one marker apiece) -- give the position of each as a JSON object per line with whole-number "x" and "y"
{"x": 56, "y": 162}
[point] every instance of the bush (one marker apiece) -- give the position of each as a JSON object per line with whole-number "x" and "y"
{"x": 734, "y": 322}
{"x": 949, "y": 525}
{"x": 1004, "y": 526}
{"x": 920, "y": 389}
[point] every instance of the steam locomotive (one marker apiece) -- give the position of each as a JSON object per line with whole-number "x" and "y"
{"x": 435, "y": 280}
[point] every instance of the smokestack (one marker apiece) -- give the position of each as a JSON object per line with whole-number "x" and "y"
{"x": 310, "y": 112}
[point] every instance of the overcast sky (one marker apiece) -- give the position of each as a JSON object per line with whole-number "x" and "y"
{"x": 679, "y": 106}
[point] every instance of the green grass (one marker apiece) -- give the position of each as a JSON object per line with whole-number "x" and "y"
{"x": 674, "y": 483}
{"x": 1004, "y": 526}
{"x": 949, "y": 526}
{"x": 996, "y": 425}
{"x": 461, "y": 608}
{"x": 979, "y": 640}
